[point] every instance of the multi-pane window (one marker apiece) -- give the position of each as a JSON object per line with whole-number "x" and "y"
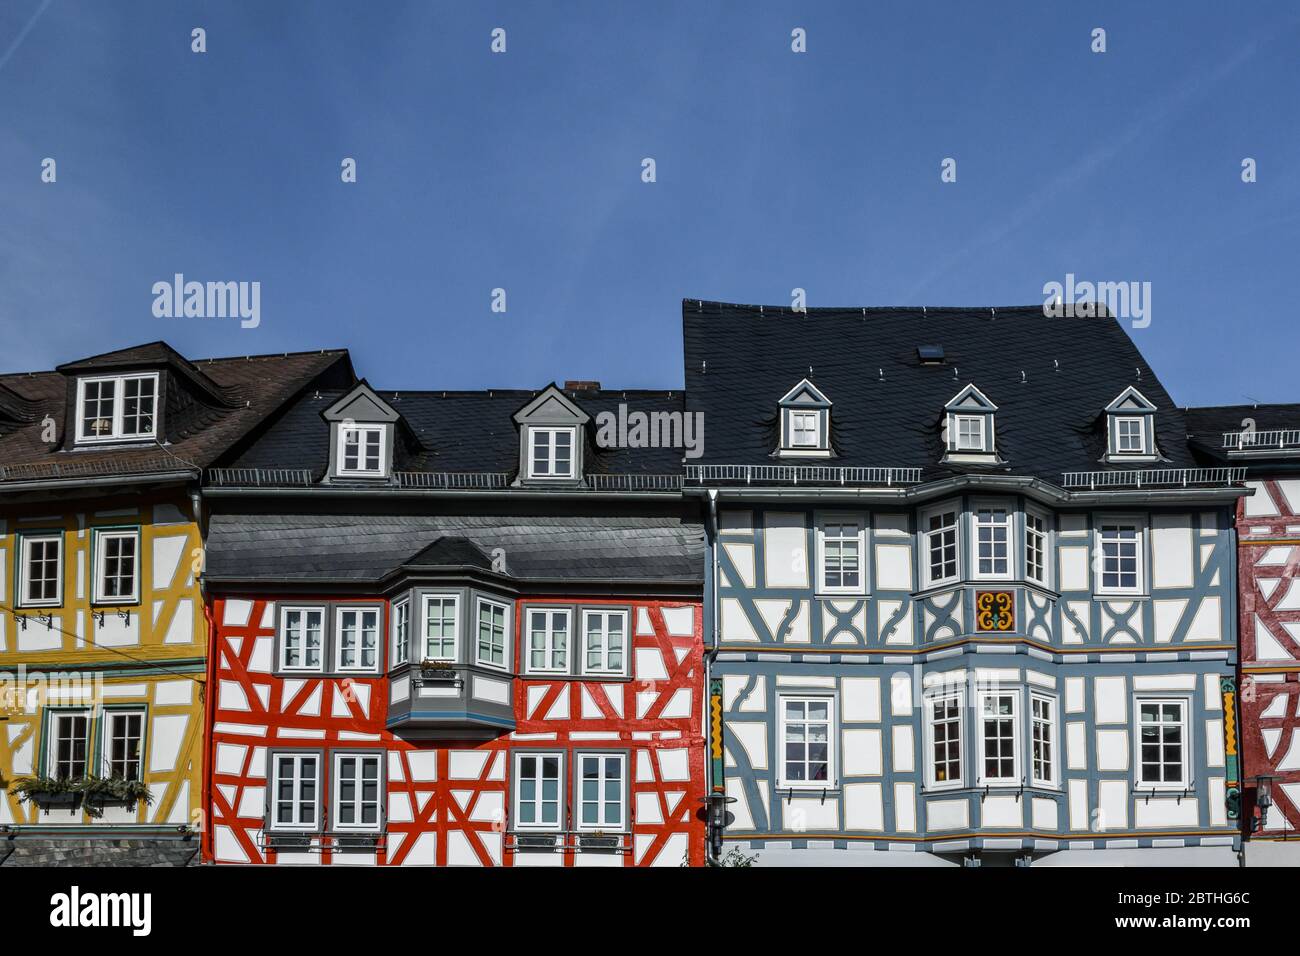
{"x": 361, "y": 449}
{"x": 804, "y": 430}
{"x": 1035, "y": 547}
{"x": 41, "y": 570}
{"x": 601, "y": 779}
{"x": 940, "y": 531}
{"x": 492, "y": 633}
{"x": 605, "y": 642}
{"x": 401, "y": 632}
{"x": 356, "y": 791}
{"x": 551, "y": 452}
{"x": 992, "y": 542}
{"x": 69, "y": 744}
{"x": 1121, "y": 563}
{"x": 537, "y": 791}
{"x": 806, "y": 733}
{"x": 301, "y": 638}
{"x": 440, "y": 614}
{"x": 945, "y": 739}
{"x": 357, "y": 640}
{"x": 118, "y": 408}
{"x": 841, "y": 557}
{"x": 970, "y": 432}
{"x": 123, "y": 737}
{"x": 295, "y": 791}
{"x": 117, "y": 565}
{"x": 1042, "y": 739}
{"x": 998, "y": 738}
{"x": 548, "y": 640}
{"x": 1130, "y": 436}
{"x": 1162, "y": 742}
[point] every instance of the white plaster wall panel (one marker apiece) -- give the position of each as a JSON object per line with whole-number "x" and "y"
{"x": 947, "y": 815}
{"x": 650, "y": 664}
{"x": 1074, "y": 568}
{"x": 424, "y": 851}
{"x": 40, "y": 636}
{"x": 181, "y": 628}
{"x": 1112, "y": 805}
{"x": 785, "y": 550}
{"x": 1291, "y": 759}
{"x": 1112, "y": 749}
{"x": 1216, "y": 793}
{"x": 905, "y": 807}
{"x": 423, "y": 764}
{"x": 805, "y": 680}
{"x": 862, "y": 753}
{"x": 893, "y": 567}
{"x": 861, "y": 699}
{"x": 810, "y": 813}
{"x": 864, "y": 807}
{"x": 1259, "y": 504}
{"x": 1275, "y": 557}
{"x": 495, "y": 691}
{"x": 113, "y": 691}
{"x": 259, "y": 661}
{"x": 903, "y": 749}
{"x": 169, "y": 693}
{"x": 673, "y": 765}
{"x": 733, "y": 685}
{"x": 1290, "y": 598}
{"x": 679, "y": 705}
{"x": 1164, "y": 682}
{"x": 648, "y": 811}
{"x": 230, "y": 758}
{"x": 226, "y": 848}
{"x": 598, "y": 860}
{"x": 400, "y": 688}
{"x": 252, "y": 803}
{"x": 236, "y": 612}
{"x": 460, "y": 853}
{"x": 1171, "y": 551}
{"x": 752, "y": 737}
{"x": 1075, "y": 688}
{"x": 311, "y": 704}
{"x": 1076, "y": 745}
{"x": 1267, "y": 647}
{"x": 901, "y": 632}
{"x": 799, "y": 632}
{"x": 1043, "y": 813}
{"x": 1276, "y": 707}
{"x": 643, "y": 626}
{"x": 900, "y": 695}
{"x": 1115, "y": 611}
{"x": 1206, "y": 624}
{"x": 168, "y": 733}
{"x": 1166, "y": 812}
{"x": 736, "y": 626}
{"x": 679, "y": 621}
{"x": 22, "y": 757}
{"x": 772, "y": 611}
{"x": 167, "y": 551}
{"x": 231, "y": 696}
{"x": 673, "y": 851}
{"x": 1078, "y": 790}
{"x": 466, "y": 764}
{"x": 1072, "y": 632}
{"x": 1039, "y": 679}
{"x": 1109, "y": 700}
{"x": 1002, "y": 812}
{"x": 741, "y": 555}
{"x": 1167, "y": 615}
{"x": 490, "y": 807}
{"x": 115, "y": 632}
{"x": 399, "y": 808}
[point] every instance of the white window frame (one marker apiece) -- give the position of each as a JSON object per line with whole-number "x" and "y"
{"x": 401, "y": 636}
{"x": 24, "y": 570}
{"x": 516, "y": 796}
{"x": 109, "y": 719}
{"x": 1008, "y": 525}
{"x": 795, "y": 429}
{"x": 360, "y": 610}
{"x": 984, "y": 446}
{"x": 606, "y": 613}
{"x": 622, "y": 825}
{"x": 1139, "y": 526}
{"x": 273, "y": 779}
{"x": 119, "y": 409}
{"x": 102, "y": 537}
{"x": 425, "y": 601}
{"x": 361, "y": 471}
{"x": 52, "y": 751}
{"x": 336, "y": 792}
{"x": 982, "y": 778}
{"x": 958, "y": 695}
{"x": 1185, "y": 722}
{"x": 549, "y": 651}
{"x": 1045, "y": 540}
{"x": 832, "y": 518}
{"x": 505, "y": 632}
{"x": 1053, "y": 740}
{"x": 551, "y": 475}
{"x": 304, "y": 609}
{"x": 832, "y": 769}
{"x": 924, "y": 529}
{"x": 1120, "y": 421}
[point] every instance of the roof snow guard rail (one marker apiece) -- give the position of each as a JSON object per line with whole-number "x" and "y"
{"x": 635, "y": 482}
{"x": 259, "y": 477}
{"x": 1155, "y": 478}
{"x": 1243, "y": 440}
{"x": 42, "y": 471}
{"x": 801, "y": 475}
{"x": 445, "y": 480}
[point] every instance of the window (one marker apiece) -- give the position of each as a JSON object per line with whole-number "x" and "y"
{"x": 807, "y": 755}
{"x": 969, "y": 432}
{"x": 492, "y": 629}
{"x": 118, "y": 408}
{"x": 550, "y": 453}
{"x": 944, "y": 726}
{"x": 356, "y": 791}
{"x": 123, "y": 736}
{"x": 840, "y": 561}
{"x": 537, "y": 791}
{"x": 361, "y": 450}
{"x": 1042, "y": 739}
{"x": 117, "y": 566}
{"x": 601, "y": 779}
{"x": 357, "y": 641}
{"x": 1130, "y": 436}
{"x": 992, "y": 538}
{"x": 605, "y": 648}
{"x": 441, "y": 612}
{"x": 939, "y": 529}
{"x": 1162, "y": 742}
{"x": 69, "y": 743}
{"x": 998, "y": 738}
{"x": 296, "y": 791}
{"x": 1035, "y": 547}
{"x": 803, "y": 430}
{"x": 301, "y": 638}
{"x": 1121, "y": 558}
{"x": 401, "y": 632}
{"x": 41, "y": 571}
{"x": 548, "y": 640}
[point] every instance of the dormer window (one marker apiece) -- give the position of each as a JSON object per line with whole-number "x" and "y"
{"x": 551, "y": 440}
{"x": 1130, "y": 436}
{"x": 969, "y": 428}
{"x": 117, "y": 408}
{"x": 805, "y": 414}
{"x": 361, "y": 450}
{"x": 550, "y": 453}
{"x": 363, "y": 434}
{"x": 970, "y": 432}
{"x": 1130, "y": 428}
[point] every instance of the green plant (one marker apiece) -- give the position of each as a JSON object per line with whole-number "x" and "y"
{"x": 735, "y": 858}
{"x": 91, "y": 789}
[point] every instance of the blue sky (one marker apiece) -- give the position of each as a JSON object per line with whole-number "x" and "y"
{"x": 522, "y": 171}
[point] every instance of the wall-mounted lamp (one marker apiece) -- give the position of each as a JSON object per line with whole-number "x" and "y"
{"x": 718, "y": 817}
{"x": 1263, "y": 799}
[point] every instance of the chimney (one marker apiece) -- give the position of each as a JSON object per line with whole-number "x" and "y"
{"x": 572, "y": 386}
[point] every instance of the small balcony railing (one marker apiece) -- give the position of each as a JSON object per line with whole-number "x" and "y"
{"x": 1248, "y": 440}
{"x": 1154, "y": 478}
{"x": 817, "y": 475}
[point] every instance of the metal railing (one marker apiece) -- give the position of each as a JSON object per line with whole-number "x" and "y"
{"x": 1155, "y": 478}
{"x": 820, "y": 475}
{"x": 635, "y": 482}
{"x": 95, "y": 468}
{"x": 259, "y": 477}
{"x": 449, "y": 480}
{"x": 1279, "y": 438}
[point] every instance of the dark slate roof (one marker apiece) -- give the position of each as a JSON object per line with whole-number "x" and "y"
{"x": 463, "y": 432}
{"x": 888, "y": 406}
{"x": 1206, "y": 425}
{"x": 365, "y": 548}
{"x": 234, "y": 396}
{"x": 451, "y": 552}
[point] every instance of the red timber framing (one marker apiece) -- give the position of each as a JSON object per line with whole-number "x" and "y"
{"x": 448, "y": 802}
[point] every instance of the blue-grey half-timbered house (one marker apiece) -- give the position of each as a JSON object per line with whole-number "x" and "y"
{"x": 971, "y": 597}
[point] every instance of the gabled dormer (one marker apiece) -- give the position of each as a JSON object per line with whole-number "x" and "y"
{"x": 805, "y": 421}
{"x": 1131, "y": 428}
{"x": 970, "y": 428}
{"x": 551, "y": 429}
{"x": 363, "y": 432}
